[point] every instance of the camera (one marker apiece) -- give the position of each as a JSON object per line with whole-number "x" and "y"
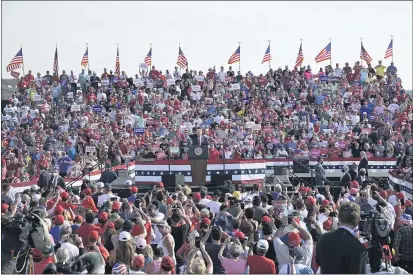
{"x": 374, "y": 228}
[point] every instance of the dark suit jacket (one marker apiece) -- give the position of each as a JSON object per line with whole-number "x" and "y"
{"x": 353, "y": 173}
{"x": 44, "y": 179}
{"x": 364, "y": 163}
{"x": 195, "y": 140}
{"x": 345, "y": 180}
{"x": 320, "y": 174}
{"x": 340, "y": 252}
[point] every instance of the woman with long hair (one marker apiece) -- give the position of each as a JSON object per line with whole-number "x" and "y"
{"x": 234, "y": 264}
{"x": 125, "y": 252}
{"x": 196, "y": 263}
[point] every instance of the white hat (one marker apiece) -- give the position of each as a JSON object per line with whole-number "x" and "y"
{"x": 140, "y": 242}
{"x": 124, "y": 236}
{"x": 34, "y": 187}
{"x": 263, "y": 244}
{"x": 36, "y": 197}
{"x": 128, "y": 183}
{"x": 100, "y": 184}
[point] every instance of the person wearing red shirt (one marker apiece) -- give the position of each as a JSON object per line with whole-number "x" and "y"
{"x": 258, "y": 263}
{"x": 94, "y": 240}
{"x": 102, "y": 220}
{"x": 141, "y": 229}
{"x": 213, "y": 153}
{"x": 84, "y": 230}
{"x": 48, "y": 257}
{"x": 29, "y": 77}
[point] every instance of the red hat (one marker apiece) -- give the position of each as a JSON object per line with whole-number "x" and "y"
{"x": 168, "y": 262}
{"x": 311, "y": 200}
{"x": 265, "y": 219}
{"x": 353, "y": 191}
{"x": 383, "y": 194}
{"x": 208, "y": 197}
{"x": 78, "y": 219}
{"x": 88, "y": 203}
{"x": 93, "y": 235}
{"x": 400, "y": 196}
{"x": 59, "y": 220}
{"x": 4, "y": 207}
{"x": 408, "y": 203}
{"x": 87, "y": 191}
{"x": 294, "y": 239}
{"x": 160, "y": 184}
{"x": 139, "y": 261}
{"x": 196, "y": 196}
{"x": 103, "y": 216}
{"x": 134, "y": 189}
{"x": 58, "y": 210}
{"x": 326, "y": 203}
{"x": 169, "y": 201}
{"x": 239, "y": 235}
{"x": 354, "y": 184}
{"x": 327, "y": 225}
{"x": 64, "y": 195}
{"x": 205, "y": 220}
{"x": 116, "y": 205}
{"x": 110, "y": 225}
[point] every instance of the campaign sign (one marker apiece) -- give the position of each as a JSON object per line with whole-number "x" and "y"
{"x": 170, "y": 82}
{"x": 199, "y": 78}
{"x": 138, "y": 82}
{"x": 75, "y": 108}
{"x": 235, "y": 86}
{"x": 105, "y": 82}
{"x": 37, "y": 97}
{"x": 196, "y": 88}
{"x": 323, "y": 78}
{"x": 97, "y": 108}
{"x": 143, "y": 66}
{"x": 139, "y": 131}
{"x": 90, "y": 149}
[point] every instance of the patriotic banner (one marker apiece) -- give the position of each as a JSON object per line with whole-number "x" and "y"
{"x": 15, "y": 74}
{"x": 405, "y": 186}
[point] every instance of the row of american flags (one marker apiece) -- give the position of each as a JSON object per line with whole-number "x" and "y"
{"x": 182, "y": 61}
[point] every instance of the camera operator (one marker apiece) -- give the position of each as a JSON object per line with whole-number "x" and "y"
{"x": 342, "y": 245}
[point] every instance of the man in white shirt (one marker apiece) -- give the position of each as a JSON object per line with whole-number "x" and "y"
{"x": 107, "y": 195}
{"x": 338, "y": 71}
{"x": 66, "y": 231}
{"x": 222, "y": 75}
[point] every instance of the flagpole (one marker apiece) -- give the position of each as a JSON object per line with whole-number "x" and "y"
{"x": 88, "y": 59}
{"x": 150, "y": 65}
{"x": 21, "y": 46}
{"x": 361, "y": 59}
{"x": 269, "y": 61}
{"x": 179, "y": 45}
{"x": 239, "y": 63}
{"x": 117, "y": 55}
{"x": 392, "y": 54}
{"x": 331, "y": 53}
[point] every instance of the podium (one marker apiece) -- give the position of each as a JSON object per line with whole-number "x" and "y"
{"x": 198, "y": 158}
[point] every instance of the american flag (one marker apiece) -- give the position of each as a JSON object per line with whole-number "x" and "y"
{"x": 16, "y": 62}
{"x": 182, "y": 61}
{"x": 325, "y": 54}
{"x": 117, "y": 65}
{"x": 236, "y": 57}
{"x": 56, "y": 63}
{"x": 85, "y": 59}
{"x": 300, "y": 57}
{"x": 267, "y": 55}
{"x": 148, "y": 58}
{"x": 389, "y": 51}
{"x": 15, "y": 74}
{"x": 364, "y": 55}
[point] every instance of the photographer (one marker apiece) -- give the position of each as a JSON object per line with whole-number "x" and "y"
{"x": 333, "y": 247}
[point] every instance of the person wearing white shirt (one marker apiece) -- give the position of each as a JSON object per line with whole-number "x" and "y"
{"x": 338, "y": 71}
{"x": 393, "y": 107}
{"x": 222, "y": 75}
{"x": 106, "y": 196}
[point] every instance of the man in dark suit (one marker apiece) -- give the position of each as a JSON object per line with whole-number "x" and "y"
{"x": 340, "y": 251}
{"x": 44, "y": 178}
{"x": 346, "y": 178}
{"x": 353, "y": 171}
{"x": 364, "y": 162}
{"x": 198, "y": 138}
{"x": 320, "y": 173}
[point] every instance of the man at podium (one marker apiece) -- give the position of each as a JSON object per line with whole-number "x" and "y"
{"x": 198, "y": 138}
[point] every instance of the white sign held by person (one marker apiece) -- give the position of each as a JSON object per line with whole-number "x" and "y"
{"x": 138, "y": 82}
{"x": 75, "y": 108}
{"x": 199, "y": 78}
{"x": 90, "y": 149}
{"x": 143, "y": 66}
{"x": 256, "y": 127}
{"x": 105, "y": 82}
{"x": 235, "y": 86}
{"x": 249, "y": 124}
{"x": 170, "y": 82}
{"x": 196, "y": 88}
{"x": 37, "y": 97}
{"x": 94, "y": 126}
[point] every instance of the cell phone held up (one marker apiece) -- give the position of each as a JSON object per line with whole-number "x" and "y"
{"x": 198, "y": 242}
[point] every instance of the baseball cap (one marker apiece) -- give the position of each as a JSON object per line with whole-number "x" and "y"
{"x": 110, "y": 225}
{"x": 107, "y": 186}
{"x": 134, "y": 189}
{"x": 64, "y": 195}
{"x": 128, "y": 182}
{"x": 408, "y": 203}
{"x": 217, "y": 193}
{"x": 127, "y": 225}
{"x": 327, "y": 225}
{"x": 116, "y": 205}
{"x": 206, "y": 221}
{"x": 87, "y": 191}
{"x": 311, "y": 200}
{"x": 58, "y": 210}
{"x": 294, "y": 238}
{"x": 160, "y": 184}
{"x": 354, "y": 184}
{"x": 103, "y": 216}
{"x": 239, "y": 235}
{"x": 34, "y": 187}
{"x": 124, "y": 236}
{"x": 139, "y": 260}
{"x": 167, "y": 262}
{"x": 262, "y": 244}
{"x": 400, "y": 196}
{"x": 353, "y": 191}
{"x": 140, "y": 242}
{"x": 78, "y": 219}
{"x": 100, "y": 184}
{"x": 196, "y": 196}
{"x": 93, "y": 235}
{"x": 4, "y": 207}
{"x": 265, "y": 219}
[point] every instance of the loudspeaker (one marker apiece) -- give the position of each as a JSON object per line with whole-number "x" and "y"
{"x": 218, "y": 180}
{"x": 172, "y": 180}
{"x": 301, "y": 168}
{"x": 280, "y": 171}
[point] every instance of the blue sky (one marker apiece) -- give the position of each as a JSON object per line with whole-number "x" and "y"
{"x": 209, "y": 33}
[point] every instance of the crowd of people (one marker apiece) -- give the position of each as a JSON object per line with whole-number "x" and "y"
{"x": 69, "y": 123}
